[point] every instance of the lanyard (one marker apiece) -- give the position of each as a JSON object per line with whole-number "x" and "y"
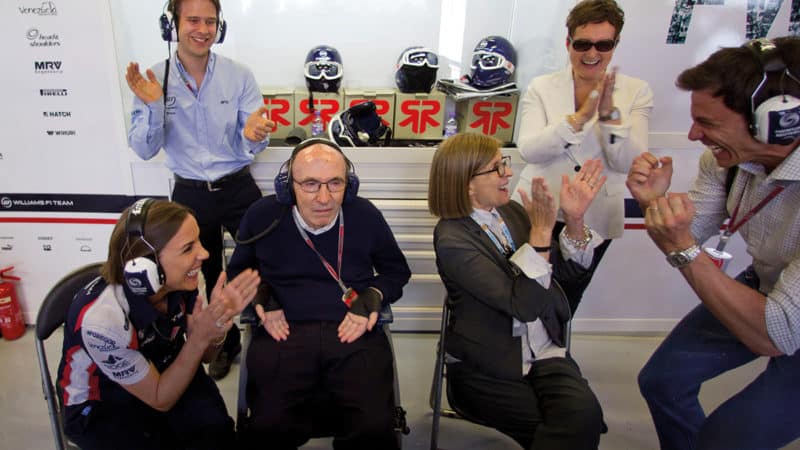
{"x": 508, "y": 246}
{"x": 335, "y": 274}
{"x": 733, "y": 226}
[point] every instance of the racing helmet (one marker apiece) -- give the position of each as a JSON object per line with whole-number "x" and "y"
{"x": 416, "y": 70}
{"x": 323, "y": 69}
{"x": 493, "y": 62}
{"x": 359, "y": 126}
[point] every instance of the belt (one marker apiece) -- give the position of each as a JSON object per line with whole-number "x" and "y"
{"x": 215, "y": 185}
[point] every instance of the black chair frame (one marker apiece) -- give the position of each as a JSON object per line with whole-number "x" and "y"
{"x": 51, "y": 316}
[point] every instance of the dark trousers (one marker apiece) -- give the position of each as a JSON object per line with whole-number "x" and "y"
{"x": 291, "y": 382}
{"x": 198, "y": 421}
{"x": 763, "y": 415}
{"x": 552, "y": 407}
{"x": 574, "y": 289}
{"x": 215, "y": 210}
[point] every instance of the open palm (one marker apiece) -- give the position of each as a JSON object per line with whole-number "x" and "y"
{"x": 577, "y": 194}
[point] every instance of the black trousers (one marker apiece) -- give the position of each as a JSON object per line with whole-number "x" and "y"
{"x": 198, "y": 421}
{"x": 312, "y": 385}
{"x": 552, "y": 407}
{"x": 214, "y": 210}
{"x": 574, "y": 289}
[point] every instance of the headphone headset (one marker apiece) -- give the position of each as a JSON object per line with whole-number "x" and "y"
{"x": 775, "y": 120}
{"x": 143, "y": 274}
{"x": 169, "y": 29}
{"x": 283, "y": 181}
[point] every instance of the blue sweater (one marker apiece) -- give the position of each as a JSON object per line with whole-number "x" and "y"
{"x": 294, "y": 273}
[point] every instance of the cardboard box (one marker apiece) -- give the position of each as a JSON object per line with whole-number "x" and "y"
{"x": 280, "y": 106}
{"x": 419, "y": 116}
{"x": 492, "y": 116}
{"x": 383, "y": 99}
{"x": 328, "y": 103}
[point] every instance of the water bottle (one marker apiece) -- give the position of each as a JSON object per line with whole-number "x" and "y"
{"x": 451, "y": 126}
{"x": 317, "y": 126}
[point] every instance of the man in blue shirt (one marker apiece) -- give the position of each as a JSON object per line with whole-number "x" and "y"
{"x": 210, "y": 121}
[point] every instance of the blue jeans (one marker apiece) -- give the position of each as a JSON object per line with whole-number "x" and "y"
{"x": 763, "y": 415}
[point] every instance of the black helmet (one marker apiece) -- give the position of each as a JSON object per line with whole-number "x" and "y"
{"x": 359, "y": 126}
{"x": 416, "y": 70}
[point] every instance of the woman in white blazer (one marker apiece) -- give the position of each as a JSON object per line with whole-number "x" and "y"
{"x": 586, "y": 112}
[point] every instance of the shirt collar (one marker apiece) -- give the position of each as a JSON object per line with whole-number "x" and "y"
{"x": 484, "y": 217}
{"x": 305, "y": 226}
{"x": 142, "y": 313}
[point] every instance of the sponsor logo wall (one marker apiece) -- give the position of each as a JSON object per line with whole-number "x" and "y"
{"x": 63, "y": 179}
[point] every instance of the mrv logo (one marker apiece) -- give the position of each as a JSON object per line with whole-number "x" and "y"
{"x": 47, "y": 66}
{"x": 47, "y": 9}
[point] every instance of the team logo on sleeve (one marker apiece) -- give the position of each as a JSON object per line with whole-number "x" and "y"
{"x": 114, "y": 362}
{"x": 100, "y": 342}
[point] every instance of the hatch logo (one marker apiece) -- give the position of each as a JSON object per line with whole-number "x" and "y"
{"x": 53, "y": 92}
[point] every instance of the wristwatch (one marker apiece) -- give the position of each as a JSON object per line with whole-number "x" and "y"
{"x": 683, "y": 257}
{"x": 614, "y": 114}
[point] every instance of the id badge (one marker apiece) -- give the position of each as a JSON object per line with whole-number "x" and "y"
{"x": 349, "y": 296}
{"x": 721, "y": 258}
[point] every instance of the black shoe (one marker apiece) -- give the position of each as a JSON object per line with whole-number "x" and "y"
{"x": 221, "y": 365}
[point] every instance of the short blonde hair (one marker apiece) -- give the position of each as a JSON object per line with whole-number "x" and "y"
{"x": 454, "y": 163}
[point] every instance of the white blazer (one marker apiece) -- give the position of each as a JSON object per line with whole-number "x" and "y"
{"x": 551, "y": 149}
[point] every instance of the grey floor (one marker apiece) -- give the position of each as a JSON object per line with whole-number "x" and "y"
{"x": 609, "y": 362}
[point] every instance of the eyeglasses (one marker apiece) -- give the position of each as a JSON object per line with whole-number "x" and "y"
{"x": 311, "y": 186}
{"x": 501, "y": 167}
{"x": 419, "y": 57}
{"x": 490, "y": 60}
{"x": 583, "y": 45}
{"x": 331, "y": 70}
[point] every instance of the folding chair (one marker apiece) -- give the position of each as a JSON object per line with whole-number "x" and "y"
{"x": 249, "y": 319}
{"x": 440, "y": 374}
{"x": 52, "y": 314}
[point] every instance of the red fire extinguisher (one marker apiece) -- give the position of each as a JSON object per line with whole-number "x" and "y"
{"x": 11, "y": 321}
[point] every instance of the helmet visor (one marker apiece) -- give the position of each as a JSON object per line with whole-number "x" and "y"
{"x": 419, "y": 57}
{"x": 330, "y": 70}
{"x": 489, "y": 60}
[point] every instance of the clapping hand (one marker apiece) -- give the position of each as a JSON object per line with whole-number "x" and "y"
{"x": 577, "y": 194}
{"x": 542, "y": 211}
{"x": 147, "y": 89}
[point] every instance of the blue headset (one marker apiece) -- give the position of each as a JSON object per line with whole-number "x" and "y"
{"x": 283, "y": 181}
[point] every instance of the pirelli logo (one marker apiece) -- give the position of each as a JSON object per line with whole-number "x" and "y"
{"x": 53, "y": 92}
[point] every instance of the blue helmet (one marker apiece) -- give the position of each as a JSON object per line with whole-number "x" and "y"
{"x": 416, "y": 70}
{"x": 493, "y": 62}
{"x": 323, "y": 69}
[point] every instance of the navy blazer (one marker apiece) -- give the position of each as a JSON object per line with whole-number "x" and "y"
{"x": 486, "y": 291}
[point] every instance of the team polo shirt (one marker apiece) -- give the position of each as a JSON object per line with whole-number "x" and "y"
{"x": 112, "y": 336}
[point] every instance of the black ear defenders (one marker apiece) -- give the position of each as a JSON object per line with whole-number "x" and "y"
{"x": 143, "y": 274}
{"x": 283, "y": 181}
{"x": 775, "y": 120}
{"x": 169, "y": 29}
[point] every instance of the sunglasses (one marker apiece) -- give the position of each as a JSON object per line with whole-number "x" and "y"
{"x": 583, "y": 45}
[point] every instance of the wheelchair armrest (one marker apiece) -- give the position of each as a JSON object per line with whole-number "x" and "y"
{"x": 385, "y": 316}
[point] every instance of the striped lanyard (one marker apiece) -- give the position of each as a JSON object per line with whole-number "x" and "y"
{"x": 335, "y": 274}
{"x": 504, "y": 243}
{"x": 733, "y": 226}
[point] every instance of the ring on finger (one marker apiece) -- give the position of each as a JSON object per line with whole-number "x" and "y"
{"x": 220, "y": 323}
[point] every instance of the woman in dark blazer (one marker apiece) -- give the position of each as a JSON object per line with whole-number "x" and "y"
{"x": 507, "y": 361}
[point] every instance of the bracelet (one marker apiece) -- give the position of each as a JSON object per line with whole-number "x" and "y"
{"x": 580, "y": 243}
{"x": 541, "y": 249}
{"x": 218, "y": 343}
{"x": 573, "y": 124}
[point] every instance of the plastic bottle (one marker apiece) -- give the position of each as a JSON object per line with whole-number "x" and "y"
{"x": 451, "y": 126}
{"x": 317, "y": 126}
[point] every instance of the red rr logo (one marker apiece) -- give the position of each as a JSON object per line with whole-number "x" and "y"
{"x": 381, "y": 107}
{"x": 490, "y": 116}
{"x": 275, "y": 113}
{"x": 327, "y": 109}
{"x": 420, "y": 114}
